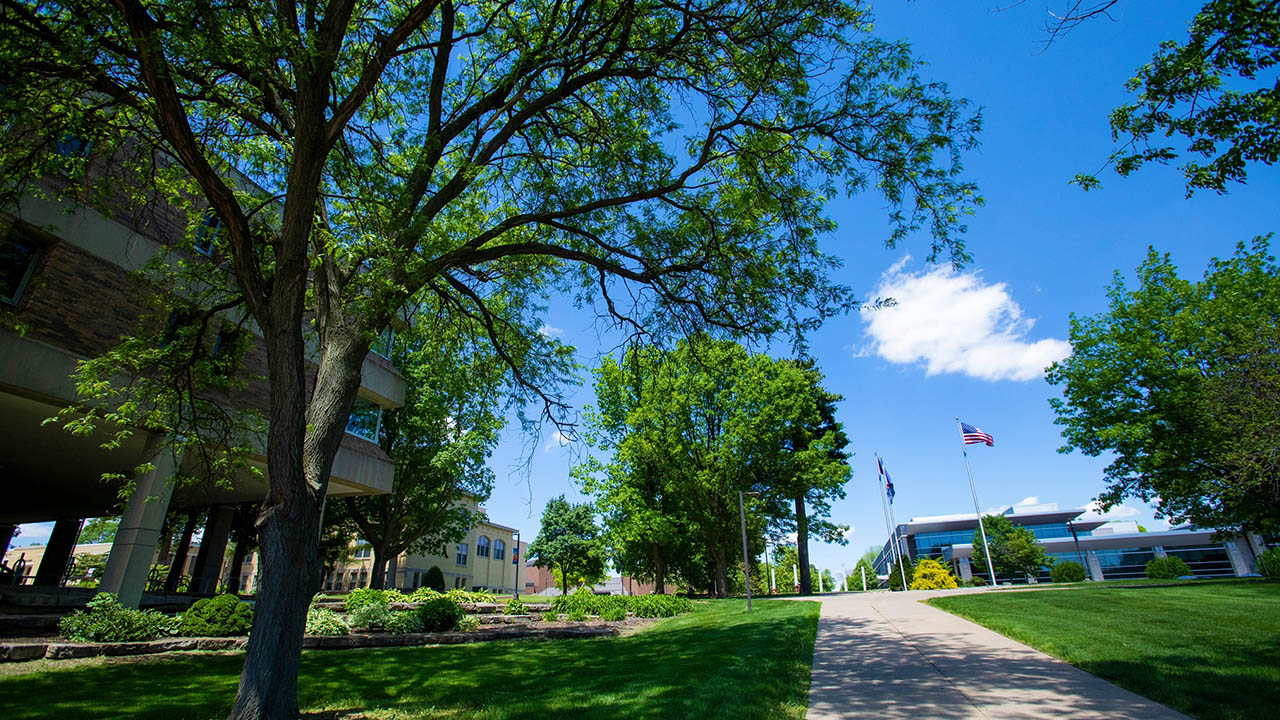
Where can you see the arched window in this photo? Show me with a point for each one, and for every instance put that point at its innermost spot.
(499, 550)
(482, 546)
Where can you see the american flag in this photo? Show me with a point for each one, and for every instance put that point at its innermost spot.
(973, 435)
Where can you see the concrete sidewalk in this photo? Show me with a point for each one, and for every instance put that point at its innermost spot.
(886, 655)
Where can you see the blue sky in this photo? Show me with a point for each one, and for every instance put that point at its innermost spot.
(973, 343)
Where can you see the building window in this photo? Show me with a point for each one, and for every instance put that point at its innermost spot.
(462, 553)
(365, 420)
(417, 579)
(499, 550)
(482, 547)
(206, 231)
(382, 345)
(363, 553)
(458, 582)
(17, 261)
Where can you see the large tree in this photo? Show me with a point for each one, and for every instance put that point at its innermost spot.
(1179, 381)
(569, 542)
(800, 455)
(356, 154)
(439, 440)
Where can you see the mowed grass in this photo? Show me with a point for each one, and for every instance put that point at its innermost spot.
(717, 662)
(1210, 649)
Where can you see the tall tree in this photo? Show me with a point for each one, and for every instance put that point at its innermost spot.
(1178, 381)
(569, 541)
(800, 454)
(439, 440)
(99, 530)
(354, 154)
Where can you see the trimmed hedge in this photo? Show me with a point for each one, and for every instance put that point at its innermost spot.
(439, 614)
(221, 616)
(1067, 571)
(1167, 568)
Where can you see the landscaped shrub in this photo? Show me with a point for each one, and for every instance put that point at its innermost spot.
(515, 607)
(357, 599)
(613, 614)
(434, 580)
(576, 615)
(423, 593)
(370, 616)
(220, 616)
(1269, 562)
(1167, 568)
(463, 596)
(321, 621)
(404, 621)
(897, 573)
(106, 620)
(551, 616)
(469, 622)
(438, 614)
(931, 575)
(1066, 571)
(393, 595)
(580, 602)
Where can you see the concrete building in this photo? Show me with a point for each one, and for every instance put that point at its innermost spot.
(1108, 551)
(67, 281)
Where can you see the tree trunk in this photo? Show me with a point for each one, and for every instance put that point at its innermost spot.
(237, 562)
(301, 444)
(180, 555)
(802, 547)
(659, 570)
(722, 574)
(378, 573)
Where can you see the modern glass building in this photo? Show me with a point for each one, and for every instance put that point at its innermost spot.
(1108, 550)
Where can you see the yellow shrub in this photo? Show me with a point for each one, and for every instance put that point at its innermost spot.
(932, 575)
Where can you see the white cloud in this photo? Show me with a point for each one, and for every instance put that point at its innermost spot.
(1115, 513)
(848, 534)
(954, 322)
(557, 440)
(547, 331)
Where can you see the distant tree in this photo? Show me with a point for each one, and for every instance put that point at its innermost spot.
(1178, 382)
(856, 576)
(1013, 548)
(99, 530)
(87, 569)
(569, 542)
(1141, 529)
(932, 575)
(870, 554)
(1215, 89)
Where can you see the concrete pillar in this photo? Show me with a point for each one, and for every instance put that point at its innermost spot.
(1240, 562)
(1256, 544)
(1094, 567)
(139, 532)
(213, 545)
(57, 553)
(966, 569)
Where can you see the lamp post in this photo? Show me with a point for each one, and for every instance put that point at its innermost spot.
(746, 562)
(515, 560)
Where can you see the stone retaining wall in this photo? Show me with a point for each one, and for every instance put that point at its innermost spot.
(19, 651)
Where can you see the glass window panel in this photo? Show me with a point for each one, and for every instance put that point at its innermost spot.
(365, 419)
(17, 258)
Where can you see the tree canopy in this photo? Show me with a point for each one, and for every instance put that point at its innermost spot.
(1178, 381)
(569, 542)
(1014, 551)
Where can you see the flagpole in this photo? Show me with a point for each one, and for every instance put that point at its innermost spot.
(894, 550)
(973, 489)
(897, 539)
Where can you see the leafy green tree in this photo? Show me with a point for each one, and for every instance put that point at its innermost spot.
(902, 568)
(1178, 382)
(99, 530)
(569, 542)
(855, 577)
(357, 155)
(439, 440)
(1013, 548)
(1215, 90)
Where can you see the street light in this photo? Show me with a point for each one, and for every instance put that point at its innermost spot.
(746, 563)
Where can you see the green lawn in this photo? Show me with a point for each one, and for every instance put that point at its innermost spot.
(1210, 649)
(717, 662)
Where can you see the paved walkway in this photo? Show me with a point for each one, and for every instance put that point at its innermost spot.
(885, 655)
